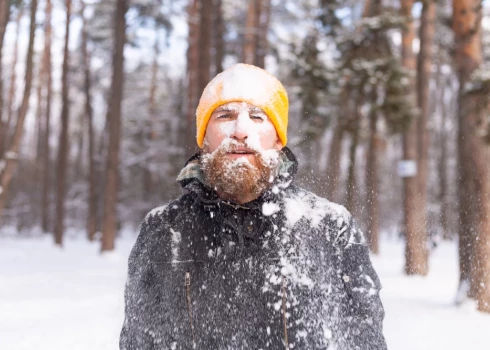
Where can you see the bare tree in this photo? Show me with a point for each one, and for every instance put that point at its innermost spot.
(114, 120)
(10, 157)
(62, 165)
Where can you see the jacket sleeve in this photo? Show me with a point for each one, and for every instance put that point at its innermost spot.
(363, 311)
(138, 295)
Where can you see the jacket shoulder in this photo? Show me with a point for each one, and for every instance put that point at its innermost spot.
(300, 203)
(156, 230)
(323, 214)
(166, 212)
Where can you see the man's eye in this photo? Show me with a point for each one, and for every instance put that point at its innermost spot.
(224, 116)
(256, 117)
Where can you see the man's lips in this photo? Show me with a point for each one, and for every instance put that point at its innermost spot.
(242, 151)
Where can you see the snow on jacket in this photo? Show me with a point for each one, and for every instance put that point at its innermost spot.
(289, 270)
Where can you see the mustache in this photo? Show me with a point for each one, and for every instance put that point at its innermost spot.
(233, 146)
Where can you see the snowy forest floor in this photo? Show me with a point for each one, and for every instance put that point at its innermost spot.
(72, 298)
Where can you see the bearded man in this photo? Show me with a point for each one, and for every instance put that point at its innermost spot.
(245, 259)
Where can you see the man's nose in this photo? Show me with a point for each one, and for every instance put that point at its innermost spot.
(240, 132)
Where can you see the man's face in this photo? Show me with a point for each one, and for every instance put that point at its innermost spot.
(242, 122)
(241, 151)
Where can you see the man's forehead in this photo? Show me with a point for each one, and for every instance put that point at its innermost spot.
(238, 107)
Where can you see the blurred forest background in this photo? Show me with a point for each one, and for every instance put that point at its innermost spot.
(389, 111)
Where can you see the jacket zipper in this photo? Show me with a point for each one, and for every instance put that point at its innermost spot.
(187, 284)
(284, 309)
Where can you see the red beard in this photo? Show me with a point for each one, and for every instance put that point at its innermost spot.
(237, 178)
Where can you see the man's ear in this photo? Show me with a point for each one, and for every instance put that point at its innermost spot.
(278, 144)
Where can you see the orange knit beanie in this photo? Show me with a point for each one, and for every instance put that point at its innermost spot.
(245, 83)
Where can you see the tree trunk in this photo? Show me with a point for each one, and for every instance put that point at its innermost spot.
(62, 165)
(442, 84)
(92, 197)
(46, 168)
(442, 168)
(114, 118)
(414, 215)
(263, 21)
(481, 269)
(41, 84)
(424, 65)
(205, 29)
(80, 141)
(250, 36)
(148, 178)
(465, 64)
(11, 156)
(333, 166)
(367, 9)
(4, 18)
(474, 184)
(5, 128)
(372, 182)
(350, 201)
(219, 33)
(192, 73)
(100, 160)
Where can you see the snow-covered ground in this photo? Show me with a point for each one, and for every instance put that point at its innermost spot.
(72, 298)
(420, 312)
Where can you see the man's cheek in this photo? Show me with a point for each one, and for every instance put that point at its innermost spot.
(226, 129)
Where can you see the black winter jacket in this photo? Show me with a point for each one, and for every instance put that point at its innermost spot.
(289, 270)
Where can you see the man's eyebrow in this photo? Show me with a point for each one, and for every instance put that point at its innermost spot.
(255, 110)
(223, 109)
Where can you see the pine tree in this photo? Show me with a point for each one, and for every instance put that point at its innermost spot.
(87, 86)
(9, 160)
(474, 175)
(114, 119)
(62, 165)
